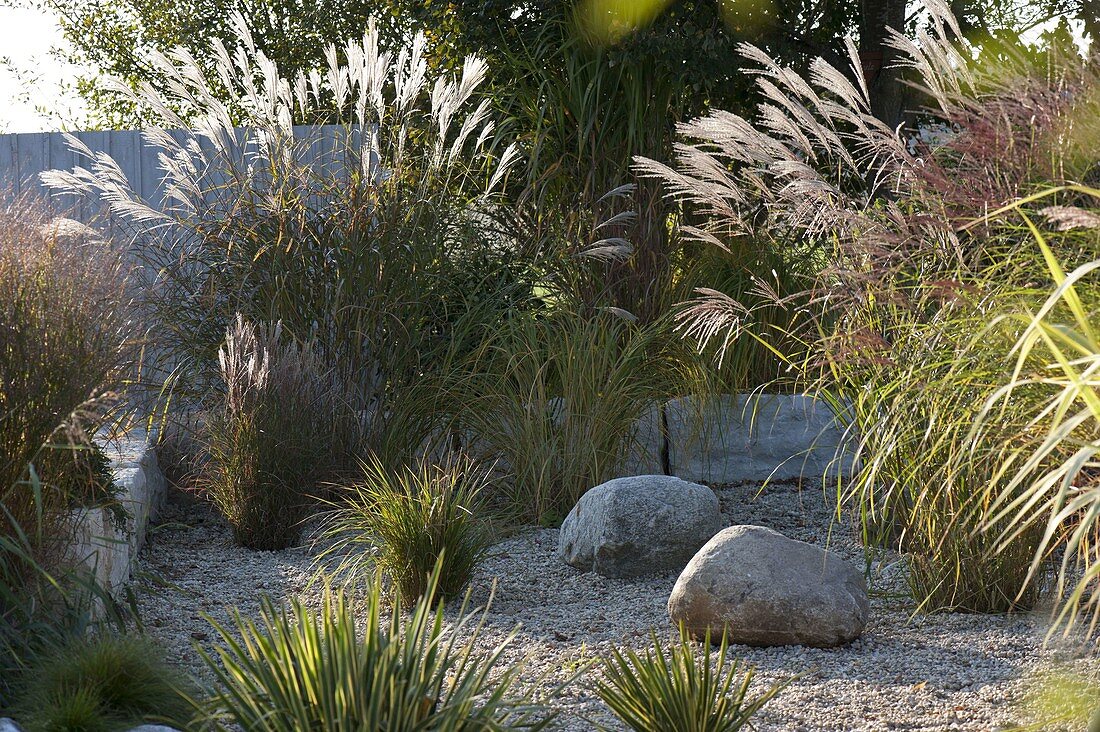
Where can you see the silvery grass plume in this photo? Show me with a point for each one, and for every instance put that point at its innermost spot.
(339, 230)
(245, 364)
(260, 361)
(815, 169)
(233, 135)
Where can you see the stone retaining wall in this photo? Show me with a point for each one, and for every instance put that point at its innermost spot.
(745, 437)
(99, 543)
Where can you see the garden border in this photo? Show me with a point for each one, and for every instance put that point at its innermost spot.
(104, 547)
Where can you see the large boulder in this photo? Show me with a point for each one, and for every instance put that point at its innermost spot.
(640, 525)
(767, 590)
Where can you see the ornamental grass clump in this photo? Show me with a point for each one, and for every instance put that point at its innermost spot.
(555, 401)
(45, 599)
(274, 439)
(357, 231)
(104, 683)
(681, 688)
(349, 666)
(67, 342)
(1055, 385)
(67, 337)
(897, 327)
(412, 521)
(922, 479)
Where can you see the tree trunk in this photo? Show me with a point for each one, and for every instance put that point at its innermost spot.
(877, 17)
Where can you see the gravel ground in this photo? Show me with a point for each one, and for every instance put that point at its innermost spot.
(941, 672)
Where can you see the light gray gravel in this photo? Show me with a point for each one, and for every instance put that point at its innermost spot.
(941, 672)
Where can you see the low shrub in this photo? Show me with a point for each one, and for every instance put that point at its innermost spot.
(45, 599)
(108, 682)
(347, 667)
(274, 439)
(411, 520)
(674, 690)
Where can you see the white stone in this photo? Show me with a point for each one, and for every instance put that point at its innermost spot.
(107, 549)
(629, 527)
(764, 589)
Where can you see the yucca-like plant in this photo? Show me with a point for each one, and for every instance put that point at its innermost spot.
(681, 688)
(353, 234)
(276, 436)
(411, 521)
(348, 666)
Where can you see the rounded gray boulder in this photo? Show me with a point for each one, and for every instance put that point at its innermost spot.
(644, 524)
(764, 589)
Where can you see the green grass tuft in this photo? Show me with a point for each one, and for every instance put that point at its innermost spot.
(105, 682)
(412, 519)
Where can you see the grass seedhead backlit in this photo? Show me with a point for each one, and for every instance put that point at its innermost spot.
(275, 437)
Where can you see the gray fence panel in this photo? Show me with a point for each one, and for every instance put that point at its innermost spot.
(24, 156)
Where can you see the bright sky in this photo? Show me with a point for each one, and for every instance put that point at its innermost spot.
(26, 37)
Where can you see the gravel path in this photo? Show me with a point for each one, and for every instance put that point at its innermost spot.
(941, 672)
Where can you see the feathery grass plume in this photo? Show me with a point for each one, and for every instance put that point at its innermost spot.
(352, 233)
(674, 690)
(910, 270)
(275, 438)
(107, 682)
(412, 520)
(347, 666)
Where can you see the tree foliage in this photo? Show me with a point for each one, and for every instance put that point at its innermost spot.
(690, 41)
